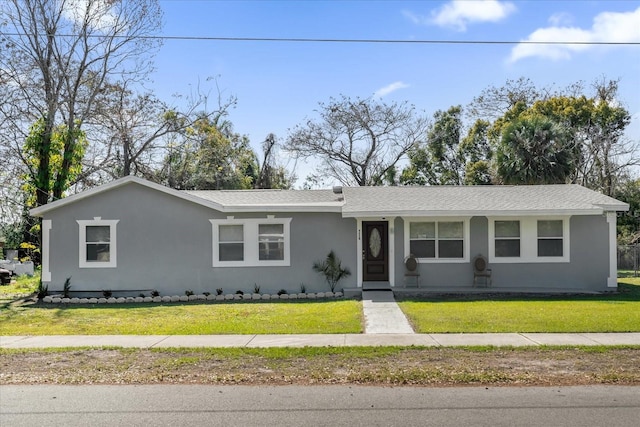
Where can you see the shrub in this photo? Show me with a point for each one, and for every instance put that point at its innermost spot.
(106, 293)
(206, 294)
(256, 289)
(303, 288)
(219, 291)
(282, 292)
(155, 293)
(188, 292)
(42, 291)
(332, 270)
(239, 292)
(141, 295)
(66, 287)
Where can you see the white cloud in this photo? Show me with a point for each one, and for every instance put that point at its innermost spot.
(99, 13)
(458, 13)
(617, 27)
(384, 91)
(560, 18)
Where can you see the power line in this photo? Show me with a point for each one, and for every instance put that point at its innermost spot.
(355, 41)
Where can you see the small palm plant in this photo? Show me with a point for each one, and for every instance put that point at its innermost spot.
(332, 269)
(66, 287)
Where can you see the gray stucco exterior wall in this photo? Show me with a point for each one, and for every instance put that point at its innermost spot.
(587, 270)
(165, 243)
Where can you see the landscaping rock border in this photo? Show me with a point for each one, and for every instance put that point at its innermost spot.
(57, 299)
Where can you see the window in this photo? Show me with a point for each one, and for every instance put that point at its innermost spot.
(251, 242)
(529, 239)
(450, 240)
(97, 243)
(507, 241)
(423, 239)
(231, 242)
(550, 241)
(437, 240)
(271, 241)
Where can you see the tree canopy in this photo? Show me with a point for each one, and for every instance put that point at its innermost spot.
(358, 141)
(55, 59)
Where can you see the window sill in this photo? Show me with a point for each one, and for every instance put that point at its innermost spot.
(442, 260)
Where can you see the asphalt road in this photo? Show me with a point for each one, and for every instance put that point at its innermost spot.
(184, 405)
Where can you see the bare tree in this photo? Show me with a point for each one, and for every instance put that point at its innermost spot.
(272, 174)
(135, 130)
(494, 102)
(358, 141)
(56, 59)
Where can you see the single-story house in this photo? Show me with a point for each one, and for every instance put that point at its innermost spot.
(135, 235)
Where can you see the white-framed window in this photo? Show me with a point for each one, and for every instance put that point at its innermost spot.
(529, 239)
(437, 239)
(507, 239)
(251, 242)
(97, 243)
(550, 238)
(271, 242)
(231, 242)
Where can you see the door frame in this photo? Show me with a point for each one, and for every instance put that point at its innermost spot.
(390, 251)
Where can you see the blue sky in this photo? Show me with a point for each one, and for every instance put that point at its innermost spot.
(279, 84)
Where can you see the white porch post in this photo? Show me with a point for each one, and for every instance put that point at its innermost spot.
(391, 252)
(612, 281)
(46, 229)
(359, 252)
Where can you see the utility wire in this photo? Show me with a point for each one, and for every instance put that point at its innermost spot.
(361, 41)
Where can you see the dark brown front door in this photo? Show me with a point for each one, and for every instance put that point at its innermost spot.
(375, 263)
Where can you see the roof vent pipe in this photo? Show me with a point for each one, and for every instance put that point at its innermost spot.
(337, 189)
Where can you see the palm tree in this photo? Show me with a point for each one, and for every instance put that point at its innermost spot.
(535, 150)
(332, 269)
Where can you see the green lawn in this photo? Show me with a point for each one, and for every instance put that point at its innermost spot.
(24, 285)
(601, 313)
(330, 317)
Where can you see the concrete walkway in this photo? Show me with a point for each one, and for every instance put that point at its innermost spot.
(319, 340)
(382, 314)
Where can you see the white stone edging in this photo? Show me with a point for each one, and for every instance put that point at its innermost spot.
(183, 298)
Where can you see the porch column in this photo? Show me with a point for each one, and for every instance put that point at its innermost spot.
(46, 230)
(359, 252)
(391, 252)
(612, 281)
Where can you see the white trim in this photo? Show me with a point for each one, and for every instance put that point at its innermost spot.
(529, 240)
(251, 245)
(329, 207)
(274, 207)
(391, 244)
(82, 243)
(359, 253)
(40, 210)
(466, 238)
(346, 213)
(390, 247)
(46, 239)
(612, 280)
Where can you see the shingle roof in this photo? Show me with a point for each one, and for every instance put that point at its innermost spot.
(386, 201)
(474, 200)
(311, 200)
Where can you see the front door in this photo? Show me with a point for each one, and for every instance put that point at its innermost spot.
(375, 262)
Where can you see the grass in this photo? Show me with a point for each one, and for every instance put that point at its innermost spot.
(24, 285)
(18, 317)
(618, 312)
(316, 317)
(599, 313)
(346, 365)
